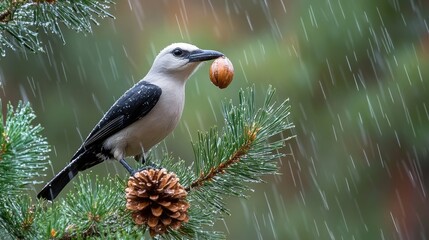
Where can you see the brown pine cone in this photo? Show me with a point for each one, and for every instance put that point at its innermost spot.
(157, 199)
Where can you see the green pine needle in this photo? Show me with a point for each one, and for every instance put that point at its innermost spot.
(241, 153)
(21, 22)
(23, 150)
(17, 217)
(23, 157)
(94, 207)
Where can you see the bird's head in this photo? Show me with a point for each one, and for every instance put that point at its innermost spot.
(180, 60)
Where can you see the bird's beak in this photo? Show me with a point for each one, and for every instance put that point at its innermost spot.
(204, 55)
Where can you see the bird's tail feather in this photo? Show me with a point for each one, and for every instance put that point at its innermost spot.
(54, 187)
(85, 160)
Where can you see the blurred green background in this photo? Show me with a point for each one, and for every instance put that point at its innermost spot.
(356, 73)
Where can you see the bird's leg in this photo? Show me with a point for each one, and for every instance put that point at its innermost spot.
(127, 167)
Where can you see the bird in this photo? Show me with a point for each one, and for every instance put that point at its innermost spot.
(141, 118)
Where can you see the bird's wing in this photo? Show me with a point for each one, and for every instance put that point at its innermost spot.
(133, 105)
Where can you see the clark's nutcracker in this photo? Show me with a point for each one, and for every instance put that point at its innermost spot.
(140, 118)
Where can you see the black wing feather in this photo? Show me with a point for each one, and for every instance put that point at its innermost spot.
(133, 105)
(103, 131)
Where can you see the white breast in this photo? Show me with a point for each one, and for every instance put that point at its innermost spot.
(154, 127)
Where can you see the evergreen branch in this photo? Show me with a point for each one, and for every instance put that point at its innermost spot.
(223, 166)
(94, 207)
(22, 158)
(21, 20)
(242, 153)
(17, 217)
(22, 149)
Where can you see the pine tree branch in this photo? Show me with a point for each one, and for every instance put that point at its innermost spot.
(20, 144)
(22, 158)
(221, 168)
(22, 20)
(17, 217)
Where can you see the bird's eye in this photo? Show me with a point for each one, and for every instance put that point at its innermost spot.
(178, 52)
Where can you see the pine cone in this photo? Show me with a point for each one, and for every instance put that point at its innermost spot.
(157, 199)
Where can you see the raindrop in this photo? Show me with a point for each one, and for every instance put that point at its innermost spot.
(312, 17)
(212, 108)
(24, 95)
(305, 30)
(248, 21)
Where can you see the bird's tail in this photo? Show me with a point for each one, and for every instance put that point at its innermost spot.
(54, 187)
(79, 163)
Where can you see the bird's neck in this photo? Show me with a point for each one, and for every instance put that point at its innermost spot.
(166, 81)
(156, 73)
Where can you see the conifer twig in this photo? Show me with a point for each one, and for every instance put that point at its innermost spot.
(21, 21)
(221, 168)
